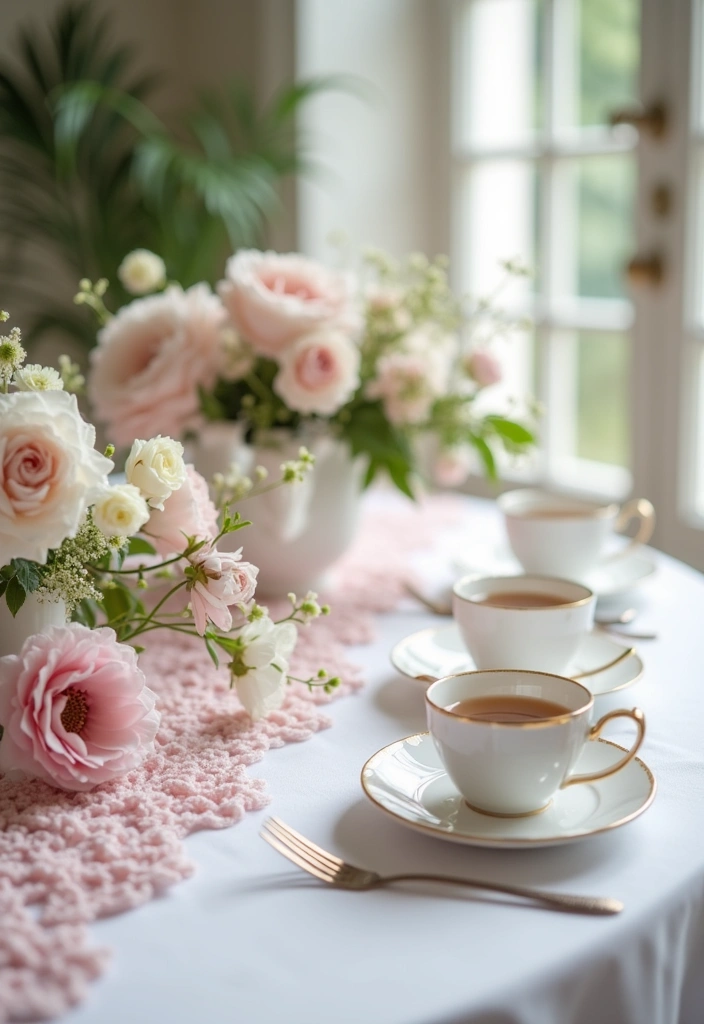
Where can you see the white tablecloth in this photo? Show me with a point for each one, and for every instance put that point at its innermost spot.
(251, 939)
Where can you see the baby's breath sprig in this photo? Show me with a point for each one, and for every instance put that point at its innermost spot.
(71, 375)
(91, 294)
(306, 609)
(12, 355)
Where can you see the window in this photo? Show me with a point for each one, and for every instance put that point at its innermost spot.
(539, 175)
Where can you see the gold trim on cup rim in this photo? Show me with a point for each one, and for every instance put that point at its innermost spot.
(539, 724)
(543, 498)
(477, 578)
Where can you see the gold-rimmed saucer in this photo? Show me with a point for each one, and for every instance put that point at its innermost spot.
(439, 651)
(407, 780)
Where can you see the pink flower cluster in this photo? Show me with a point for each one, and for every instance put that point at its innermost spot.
(302, 315)
(153, 356)
(216, 581)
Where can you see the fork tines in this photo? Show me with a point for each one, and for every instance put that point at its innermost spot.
(301, 851)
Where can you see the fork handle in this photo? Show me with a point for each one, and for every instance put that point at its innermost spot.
(557, 900)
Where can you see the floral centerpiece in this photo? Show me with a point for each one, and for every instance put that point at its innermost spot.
(74, 705)
(286, 342)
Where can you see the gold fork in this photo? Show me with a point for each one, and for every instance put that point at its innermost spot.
(333, 871)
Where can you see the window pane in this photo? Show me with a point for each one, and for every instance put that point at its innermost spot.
(590, 396)
(500, 61)
(598, 56)
(498, 221)
(593, 225)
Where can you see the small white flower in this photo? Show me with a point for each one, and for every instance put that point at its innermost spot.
(120, 511)
(12, 355)
(142, 272)
(35, 377)
(261, 671)
(157, 468)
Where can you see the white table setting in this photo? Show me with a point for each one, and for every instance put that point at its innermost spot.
(252, 937)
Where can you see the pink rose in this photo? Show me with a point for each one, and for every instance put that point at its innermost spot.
(274, 299)
(49, 472)
(75, 708)
(452, 466)
(484, 368)
(151, 358)
(319, 373)
(187, 512)
(216, 582)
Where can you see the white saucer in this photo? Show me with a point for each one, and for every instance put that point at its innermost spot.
(610, 577)
(407, 780)
(439, 651)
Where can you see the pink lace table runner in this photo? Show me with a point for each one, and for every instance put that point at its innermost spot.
(68, 859)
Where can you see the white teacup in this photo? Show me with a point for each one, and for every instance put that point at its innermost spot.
(514, 768)
(563, 536)
(503, 626)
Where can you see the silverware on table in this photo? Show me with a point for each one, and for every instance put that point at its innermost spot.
(336, 872)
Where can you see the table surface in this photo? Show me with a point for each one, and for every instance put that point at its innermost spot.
(251, 939)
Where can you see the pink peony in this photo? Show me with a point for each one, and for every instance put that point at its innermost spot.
(484, 368)
(319, 373)
(273, 299)
(151, 358)
(216, 582)
(187, 512)
(75, 708)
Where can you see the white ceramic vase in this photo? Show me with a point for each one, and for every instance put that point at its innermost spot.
(35, 616)
(299, 530)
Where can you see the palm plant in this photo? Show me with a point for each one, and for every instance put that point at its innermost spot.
(88, 172)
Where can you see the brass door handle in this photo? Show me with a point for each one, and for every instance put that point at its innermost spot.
(646, 270)
(652, 120)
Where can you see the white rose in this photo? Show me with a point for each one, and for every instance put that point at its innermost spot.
(120, 511)
(49, 472)
(141, 272)
(319, 373)
(157, 468)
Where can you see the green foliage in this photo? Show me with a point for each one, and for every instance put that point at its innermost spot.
(368, 432)
(88, 172)
(19, 578)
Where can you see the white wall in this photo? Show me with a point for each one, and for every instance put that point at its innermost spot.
(385, 183)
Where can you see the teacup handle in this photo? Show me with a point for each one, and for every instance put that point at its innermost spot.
(639, 718)
(641, 509)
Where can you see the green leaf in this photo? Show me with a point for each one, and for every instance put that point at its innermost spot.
(140, 546)
(511, 431)
(15, 596)
(486, 455)
(210, 406)
(85, 613)
(212, 652)
(138, 649)
(28, 573)
(118, 602)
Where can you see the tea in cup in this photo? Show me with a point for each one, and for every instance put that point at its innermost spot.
(567, 537)
(510, 739)
(533, 622)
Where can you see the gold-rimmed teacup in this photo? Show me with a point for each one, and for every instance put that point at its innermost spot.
(509, 739)
(529, 621)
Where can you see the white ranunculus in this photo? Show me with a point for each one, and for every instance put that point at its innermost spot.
(35, 377)
(157, 468)
(120, 511)
(268, 647)
(142, 272)
(49, 472)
